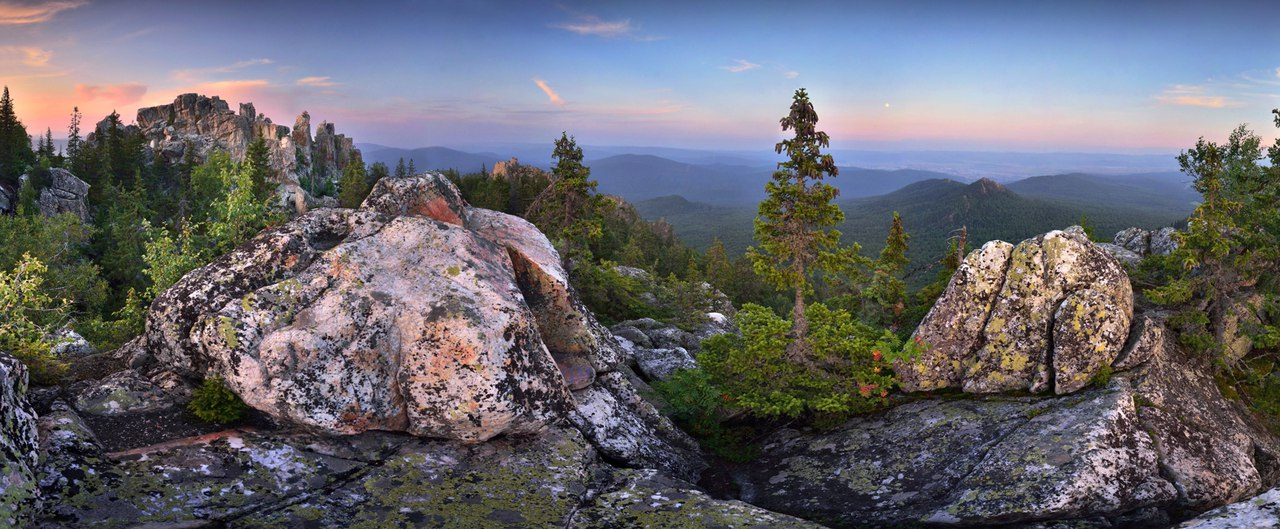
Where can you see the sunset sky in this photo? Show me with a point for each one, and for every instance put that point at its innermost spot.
(1148, 77)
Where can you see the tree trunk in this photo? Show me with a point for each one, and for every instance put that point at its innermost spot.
(798, 349)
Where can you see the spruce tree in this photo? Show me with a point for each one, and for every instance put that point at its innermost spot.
(15, 145)
(353, 188)
(568, 210)
(412, 170)
(887, 294)
(401, 170)
(794, 222)
(258, 162)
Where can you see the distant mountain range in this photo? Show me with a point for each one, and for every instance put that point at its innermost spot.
(933, 210)
(429, 158)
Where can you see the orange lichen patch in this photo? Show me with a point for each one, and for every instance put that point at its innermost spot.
(290, 261)
(338, 269)
(437, 208)
(178, 443)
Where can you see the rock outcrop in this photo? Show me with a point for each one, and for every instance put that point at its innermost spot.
(350, 320)
(19, 455)
(1045, 315)
(1155, 444)
(202, 125)
(65, 194)
(1147, 242)
(1259, 512)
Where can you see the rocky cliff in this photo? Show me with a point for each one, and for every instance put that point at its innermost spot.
(204, 124)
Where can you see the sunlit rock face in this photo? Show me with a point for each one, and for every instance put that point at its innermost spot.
(1045, 315)
(412, 313)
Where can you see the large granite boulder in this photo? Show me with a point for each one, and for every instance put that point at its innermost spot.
(19, 497)
(413, 313)
(1144, 242)
(1156, 443)
(1046, 315)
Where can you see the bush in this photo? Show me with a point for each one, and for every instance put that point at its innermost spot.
(214, 402)
(699, 406)
(849, 371)
(611, 296)
(28, 316)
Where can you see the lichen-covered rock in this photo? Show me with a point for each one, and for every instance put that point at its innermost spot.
(69, 343)
(1163, 241)
(628, 430)
(121, 393)
(633, 335)
(1240, 318)
(1087, 336)
(952, 329)
(65, 194)
(19, 497)
(641, 499)
(1136, 240)
(1122, 254)
(565, 324)
(993, 329)
(414, 313)
(506, 483)
(1259, 512)
(216, 477)
(659, 364)
(1158, 443)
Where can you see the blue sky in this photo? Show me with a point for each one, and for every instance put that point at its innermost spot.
(1008, 76)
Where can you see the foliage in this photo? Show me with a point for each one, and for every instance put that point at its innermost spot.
(885, 296)
(257, 163)
(794, 222)
(354, 186)
(699, 406)
(849, 372)
(60, 243)
(16, 155)
(28, 315)
(569, 211)
(107, 333)
(214, 402)
(611, 296)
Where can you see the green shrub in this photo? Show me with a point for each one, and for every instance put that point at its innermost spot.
(849, 371)
(699, 406)
(28, 316)
(611, 296)
(215, 402)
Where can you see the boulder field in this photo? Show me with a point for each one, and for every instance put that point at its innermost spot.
(417, 362)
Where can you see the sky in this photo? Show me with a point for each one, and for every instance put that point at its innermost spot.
(1021, 76)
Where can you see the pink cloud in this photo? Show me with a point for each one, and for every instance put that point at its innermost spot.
(120, 94)
(324, 82)
(15, 13)
(554, 98)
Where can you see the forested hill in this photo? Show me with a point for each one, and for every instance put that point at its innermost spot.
(932, 210)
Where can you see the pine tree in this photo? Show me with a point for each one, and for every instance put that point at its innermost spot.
(401, 170)
(719, 270)
(258, 162)
(377, 171)
(794, 222)
(569, 210)
(15, 145)
(887, 294)
(353, 188)
(412, 170)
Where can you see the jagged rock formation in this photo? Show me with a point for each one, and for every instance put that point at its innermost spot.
(19, 457)
(205, 124)
(1155, 444)
(1046, 315)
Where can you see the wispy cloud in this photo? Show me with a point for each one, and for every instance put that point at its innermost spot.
(552, 96)
(323, 82)
(597, 27)
(739, 66)
(791, 74)
(28, 55)
(1194, 96)
(15, 13)
(120, 94)
(194, 74)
